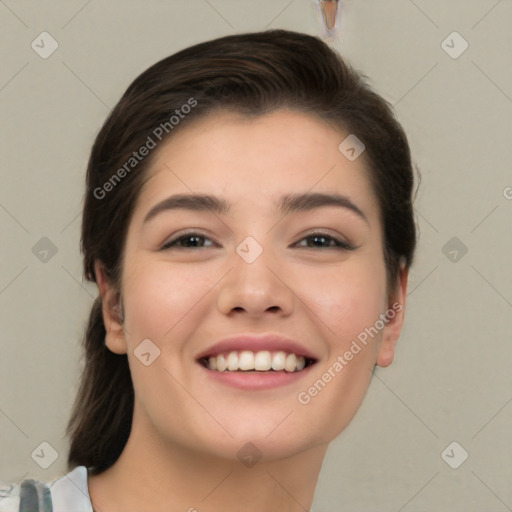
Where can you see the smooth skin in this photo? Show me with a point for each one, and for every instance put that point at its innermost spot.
(187, 428)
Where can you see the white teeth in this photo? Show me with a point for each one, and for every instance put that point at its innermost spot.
(221, 363)
(246, 360)
(212, 363)
(278, 361)
(262, 361)
(232, 361)
(291, 363)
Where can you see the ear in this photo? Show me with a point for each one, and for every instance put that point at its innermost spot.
(392, 329)
(112, 315)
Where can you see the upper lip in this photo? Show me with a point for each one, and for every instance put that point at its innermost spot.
(256, 343)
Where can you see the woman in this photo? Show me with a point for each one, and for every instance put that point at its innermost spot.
(248, 219)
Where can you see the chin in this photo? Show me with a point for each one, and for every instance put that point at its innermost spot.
(261, 441)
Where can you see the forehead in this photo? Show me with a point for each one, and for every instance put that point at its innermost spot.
(256, 159)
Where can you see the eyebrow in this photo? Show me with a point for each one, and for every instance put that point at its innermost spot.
(287, 203)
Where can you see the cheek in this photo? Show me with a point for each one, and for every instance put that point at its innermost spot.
(348, 301)
(157, 299)
(163, 303)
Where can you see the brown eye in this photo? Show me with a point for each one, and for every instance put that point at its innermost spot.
(187, 241)
(324, 241)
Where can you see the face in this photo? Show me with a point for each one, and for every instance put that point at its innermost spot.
(303, 277)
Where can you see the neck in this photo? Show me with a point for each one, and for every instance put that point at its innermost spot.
(151, 476)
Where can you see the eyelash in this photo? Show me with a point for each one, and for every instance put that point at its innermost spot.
(339, 244)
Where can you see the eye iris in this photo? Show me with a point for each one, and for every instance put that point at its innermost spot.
(189, 241)
(318, 237)
(193, 237)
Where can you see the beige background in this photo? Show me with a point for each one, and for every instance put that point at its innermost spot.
(451, 380)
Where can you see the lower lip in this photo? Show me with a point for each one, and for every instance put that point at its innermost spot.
(256, 380)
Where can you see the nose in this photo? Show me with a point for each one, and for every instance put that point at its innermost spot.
(256, 288)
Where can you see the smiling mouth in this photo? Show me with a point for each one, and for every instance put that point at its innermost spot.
(256, 362)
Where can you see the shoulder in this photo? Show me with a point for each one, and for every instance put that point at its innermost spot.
(68, 492)
(9, 497)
